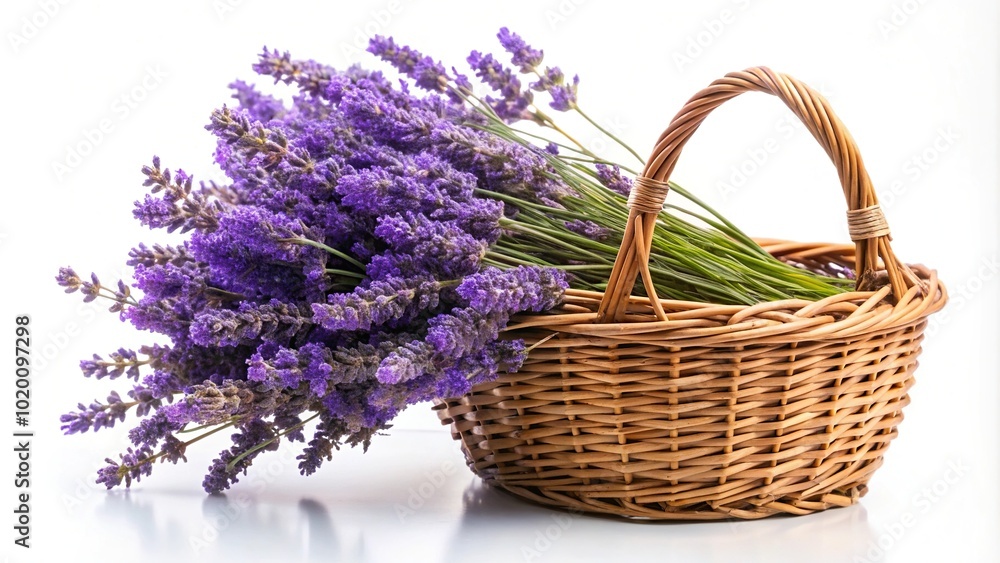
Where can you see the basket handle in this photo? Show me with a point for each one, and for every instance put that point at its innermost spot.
(865, 221)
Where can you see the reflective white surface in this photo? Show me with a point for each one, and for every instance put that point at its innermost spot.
(411, 498)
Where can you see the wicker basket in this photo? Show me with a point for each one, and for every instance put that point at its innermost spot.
(683, 410)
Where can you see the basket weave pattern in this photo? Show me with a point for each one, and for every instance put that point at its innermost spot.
(665, 409)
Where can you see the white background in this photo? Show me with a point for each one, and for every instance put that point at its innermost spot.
(916, 82)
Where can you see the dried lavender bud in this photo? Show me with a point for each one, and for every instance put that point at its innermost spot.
(209, 403)
(152, 430)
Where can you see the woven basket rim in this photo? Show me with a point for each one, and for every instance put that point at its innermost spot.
(844, 315)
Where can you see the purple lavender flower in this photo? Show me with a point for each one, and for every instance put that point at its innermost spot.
(612, 178)
(564, 95)
(154, 429)
(133, 466)
(376, 304)
(180, 205)
(379, 115)
(123, 361)
(288, 368)
(174, 449)
(462, 82)
(405, 363)
(144, 400)
(310, 76)
(512, 291)
(155, 213)
(159, 254)
(513, 103)
(95, 416)
(502, 166)
(426, 72)
(68, 278)
(225, 469)
(209, 403)
(337, 271)
(162, 384)
(522, 55)
(443, 247)
(588, 229)
(260, 107)
(495, 75)
(110, 475)
(249, 253)
(250, 322)
(331, 433)
(554, 82)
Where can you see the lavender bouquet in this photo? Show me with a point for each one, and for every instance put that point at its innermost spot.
(367, 252)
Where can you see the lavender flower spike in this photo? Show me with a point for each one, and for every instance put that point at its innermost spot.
(512, 291)
(564, 95)
(522, 55)
(425, 71)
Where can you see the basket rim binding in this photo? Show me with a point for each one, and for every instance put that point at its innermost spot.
(669, 409)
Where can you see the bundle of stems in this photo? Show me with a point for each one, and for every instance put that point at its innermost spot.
(696, 255)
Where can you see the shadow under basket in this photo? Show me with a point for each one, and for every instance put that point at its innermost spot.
(663, 409)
